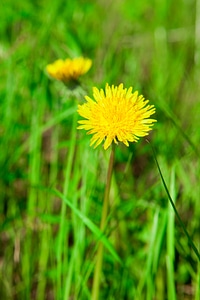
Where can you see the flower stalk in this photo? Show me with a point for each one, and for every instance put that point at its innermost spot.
(98, 267)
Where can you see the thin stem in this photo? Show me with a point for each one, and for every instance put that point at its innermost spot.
(98, 267)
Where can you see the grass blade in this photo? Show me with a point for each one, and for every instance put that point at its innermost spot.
(91, 226)
(174, 207)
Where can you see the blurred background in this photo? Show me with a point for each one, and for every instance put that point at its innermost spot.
(47, 251)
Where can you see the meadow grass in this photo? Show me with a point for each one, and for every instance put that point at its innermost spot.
(52, 182)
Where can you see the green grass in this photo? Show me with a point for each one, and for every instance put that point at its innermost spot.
(52, 183)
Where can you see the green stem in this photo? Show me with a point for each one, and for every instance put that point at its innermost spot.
(98, 267)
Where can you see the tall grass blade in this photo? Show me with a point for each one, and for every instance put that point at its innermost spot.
(174, 207)
(170, 242)
(100, 236)
(62, 248)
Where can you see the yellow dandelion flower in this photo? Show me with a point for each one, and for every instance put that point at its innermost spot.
(116, 115)
(69, 69)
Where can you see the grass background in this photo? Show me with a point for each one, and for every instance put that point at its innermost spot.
(48, 239)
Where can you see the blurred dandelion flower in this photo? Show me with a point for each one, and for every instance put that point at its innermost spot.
(116, 115)
(69, 69)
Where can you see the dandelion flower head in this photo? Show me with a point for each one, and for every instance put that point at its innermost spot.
(69, 69)
(116, 114)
